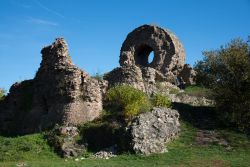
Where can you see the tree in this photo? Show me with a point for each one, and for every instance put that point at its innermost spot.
(2, 94)
(227, 72)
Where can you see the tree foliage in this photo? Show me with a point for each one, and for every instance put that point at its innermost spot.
(227, 72)
(2, 94)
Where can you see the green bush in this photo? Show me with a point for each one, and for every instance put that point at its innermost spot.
(128, 100)
(160, 100)
(226, 72)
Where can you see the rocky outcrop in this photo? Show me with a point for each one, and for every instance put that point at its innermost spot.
(60, 93)
(151, 131)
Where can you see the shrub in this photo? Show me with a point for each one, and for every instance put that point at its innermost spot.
(227, 72)
(160, 100)
(174, 91)
(128, 100)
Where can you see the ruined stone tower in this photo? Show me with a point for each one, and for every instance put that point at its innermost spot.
(60, 93)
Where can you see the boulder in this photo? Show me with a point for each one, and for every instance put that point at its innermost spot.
(151, 131)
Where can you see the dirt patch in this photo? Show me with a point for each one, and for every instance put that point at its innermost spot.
(210, 137)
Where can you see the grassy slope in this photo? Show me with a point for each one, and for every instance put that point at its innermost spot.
(197, 91)
(34, 151)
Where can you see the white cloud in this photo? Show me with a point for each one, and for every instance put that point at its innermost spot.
(41, 22)
(48, 9)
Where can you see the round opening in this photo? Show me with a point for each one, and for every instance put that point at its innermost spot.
(150, 57)
(144, 55)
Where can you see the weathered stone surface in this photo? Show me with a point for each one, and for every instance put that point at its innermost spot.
(70, 94)
(64, 139)
(143, 78)
(169, 54)
(191, 100)
(167, 64)
(188, 74)
(70, 147)
(150, 131)
(130, 75)
(59, 93)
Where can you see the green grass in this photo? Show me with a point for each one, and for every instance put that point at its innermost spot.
(29, 147)
(197, 91)
(34, 151)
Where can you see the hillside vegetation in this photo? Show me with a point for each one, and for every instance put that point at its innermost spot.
(202, 142)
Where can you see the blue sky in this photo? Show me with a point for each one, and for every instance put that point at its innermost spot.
(95, 29)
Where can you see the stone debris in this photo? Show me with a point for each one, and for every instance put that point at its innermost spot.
(106, 153)
(103, 155)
